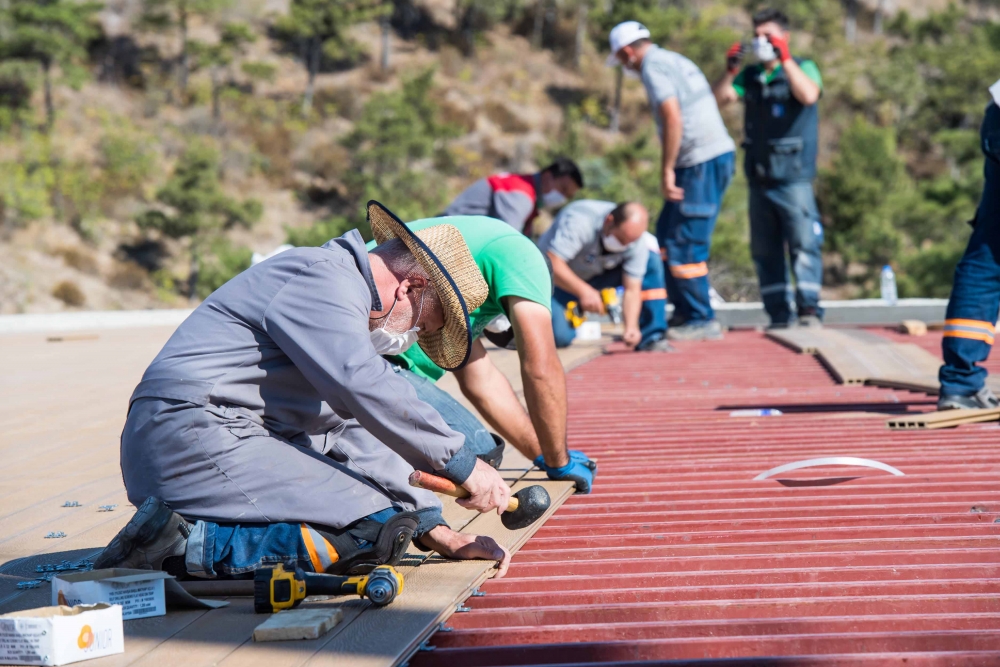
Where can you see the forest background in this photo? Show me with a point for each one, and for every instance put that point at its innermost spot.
(148, 147)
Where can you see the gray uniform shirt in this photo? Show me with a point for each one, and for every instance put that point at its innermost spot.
(575, 238)
(666, 74)
(288, 341)
(512, 206)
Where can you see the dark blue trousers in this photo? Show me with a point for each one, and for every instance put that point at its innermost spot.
(652, 317)
(975, 294)
(684, 231)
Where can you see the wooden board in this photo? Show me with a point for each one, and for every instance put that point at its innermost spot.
(942, 419)
(305, 623)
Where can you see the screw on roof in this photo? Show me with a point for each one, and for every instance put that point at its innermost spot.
(55, 535)
(106, 508)
(71, 503)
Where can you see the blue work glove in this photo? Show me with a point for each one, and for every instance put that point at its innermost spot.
(580, 470)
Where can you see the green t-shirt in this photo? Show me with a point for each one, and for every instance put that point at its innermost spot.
(511, 264)
(808, 66)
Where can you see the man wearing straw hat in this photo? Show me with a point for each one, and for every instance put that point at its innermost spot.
(270, 429)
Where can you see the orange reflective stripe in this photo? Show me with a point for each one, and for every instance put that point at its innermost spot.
(986, 338)
(655, 293)
(688, 271)
(331, 552)
(971, 323)
(311, 548)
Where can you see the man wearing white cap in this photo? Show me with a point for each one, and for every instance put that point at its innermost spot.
(696, 168)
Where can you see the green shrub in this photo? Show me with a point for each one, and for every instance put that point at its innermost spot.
(69, 293)
(220, 263)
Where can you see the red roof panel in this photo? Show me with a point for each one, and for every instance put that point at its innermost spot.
(679, 554)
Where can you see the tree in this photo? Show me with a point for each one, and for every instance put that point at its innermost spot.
(318, 27)
(195, 206)
(52, 33)
(175, 14)
(233, 37)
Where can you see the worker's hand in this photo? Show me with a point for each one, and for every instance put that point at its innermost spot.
(464, 546)
(591, 301)
(669, 186)
(487, 490)
(631, 337)
(734, 57)
(580, 470)
(780, 45)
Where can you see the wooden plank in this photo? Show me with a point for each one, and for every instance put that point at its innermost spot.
(912, 327)
(432, 592)
(942, 419)
(305, 623)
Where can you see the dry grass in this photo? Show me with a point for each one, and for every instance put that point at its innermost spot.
(130, 276)
(78, 258)
(69, 293)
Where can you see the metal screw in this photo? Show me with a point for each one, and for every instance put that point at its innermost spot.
(461, 608)
(71, 503)
(107, 508)
(476, 593)
(55, 535)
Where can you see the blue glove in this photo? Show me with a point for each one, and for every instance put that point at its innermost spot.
(580, 470)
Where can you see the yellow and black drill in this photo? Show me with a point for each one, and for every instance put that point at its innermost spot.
(276, 588)
(612, 306)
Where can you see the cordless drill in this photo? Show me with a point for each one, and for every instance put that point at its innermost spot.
(276, 588)
(612, 306)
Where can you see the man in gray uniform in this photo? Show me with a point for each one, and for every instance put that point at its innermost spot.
(593, 245)
(698, 158)
(270, 429)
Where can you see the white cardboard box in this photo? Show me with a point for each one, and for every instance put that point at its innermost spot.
(60, 635)
(139, 592)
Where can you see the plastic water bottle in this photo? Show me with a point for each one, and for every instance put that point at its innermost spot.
(888, 285)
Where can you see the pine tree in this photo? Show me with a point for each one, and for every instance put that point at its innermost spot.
(195, 207)
(233, 38)
(318, 27)
(52, 33)
(176, 14)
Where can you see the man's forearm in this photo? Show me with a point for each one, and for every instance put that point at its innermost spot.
(804, 89)
(491, 394)
(673, 129)
(545, 393)
(565, 278)
(632, 306)
(723, 89)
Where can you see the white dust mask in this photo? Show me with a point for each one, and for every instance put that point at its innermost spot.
(763, 49)
(388, 343)
(612, 244)
(553, 199)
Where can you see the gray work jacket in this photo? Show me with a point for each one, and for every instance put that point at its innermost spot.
(288, 340)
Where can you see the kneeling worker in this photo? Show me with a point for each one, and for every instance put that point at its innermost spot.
(269, 429)
(516, 198)
(597, 244)
(520, 290)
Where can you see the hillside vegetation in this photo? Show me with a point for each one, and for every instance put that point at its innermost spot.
(148, 147)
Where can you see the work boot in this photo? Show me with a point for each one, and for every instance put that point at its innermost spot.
(984, 398)
(708, 330)
(658, 345)
(367, 544)
(494, 457)
(777, 326)
(808, 319)
(152, 535)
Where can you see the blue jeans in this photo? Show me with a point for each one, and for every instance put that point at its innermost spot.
(652, 317)
(454, 413)
(684, 231)
(780, 215)
(975, 294)
(232, 550)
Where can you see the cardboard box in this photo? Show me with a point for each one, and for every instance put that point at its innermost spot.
(141, 593)
(60, 635)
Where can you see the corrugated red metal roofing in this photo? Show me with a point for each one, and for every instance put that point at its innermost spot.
(679, 555)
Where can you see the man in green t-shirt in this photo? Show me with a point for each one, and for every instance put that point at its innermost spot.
(520, 289)
(781, 138)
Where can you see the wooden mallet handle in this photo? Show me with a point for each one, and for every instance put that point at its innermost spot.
(423, 480)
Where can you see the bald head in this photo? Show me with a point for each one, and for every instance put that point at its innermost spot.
(627, 222)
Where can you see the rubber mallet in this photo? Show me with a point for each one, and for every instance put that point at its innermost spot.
(525, 507)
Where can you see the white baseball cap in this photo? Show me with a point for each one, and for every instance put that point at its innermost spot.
(624, 34)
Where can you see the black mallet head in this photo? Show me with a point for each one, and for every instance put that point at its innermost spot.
(531, 504)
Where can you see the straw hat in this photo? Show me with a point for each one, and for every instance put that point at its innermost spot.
(460, 285)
